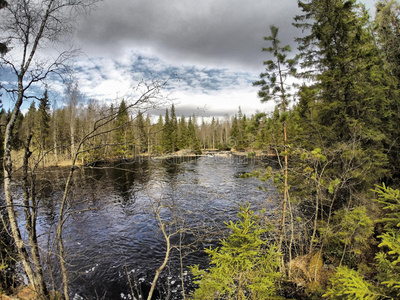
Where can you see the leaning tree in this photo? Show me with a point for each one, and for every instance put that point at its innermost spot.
(32, 32)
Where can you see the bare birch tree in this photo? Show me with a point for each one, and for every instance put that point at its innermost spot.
(149, 96)
(31, 28)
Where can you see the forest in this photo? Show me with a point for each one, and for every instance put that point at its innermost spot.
(334, 133)
(129, 136)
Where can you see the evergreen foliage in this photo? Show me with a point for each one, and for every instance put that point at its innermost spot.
(234, 133)
(194, 143)
(348, 235)
(182, 141)
(43, 121)
(389, 257)
(241, 268)
(142, 139)
(173, 130)
(387, 28)
(122, 132)
(387, 22)
(352, 97)
(272, 82)
(348, 284)
(167, 142)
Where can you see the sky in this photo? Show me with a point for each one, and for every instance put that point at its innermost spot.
(209, 50)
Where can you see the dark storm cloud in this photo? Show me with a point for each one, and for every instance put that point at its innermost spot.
(208, 32)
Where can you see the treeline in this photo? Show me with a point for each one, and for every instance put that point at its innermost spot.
(130, 132)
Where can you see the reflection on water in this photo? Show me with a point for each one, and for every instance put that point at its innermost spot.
(119, 237)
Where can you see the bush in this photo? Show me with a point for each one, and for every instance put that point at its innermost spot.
(242, 268)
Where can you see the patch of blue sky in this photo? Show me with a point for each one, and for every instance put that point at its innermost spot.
(187, 77)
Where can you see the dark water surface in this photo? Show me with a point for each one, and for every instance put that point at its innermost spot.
(119, 241)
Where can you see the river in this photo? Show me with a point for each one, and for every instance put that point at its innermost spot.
(112, 237)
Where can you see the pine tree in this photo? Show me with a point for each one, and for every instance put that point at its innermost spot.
(273, 86)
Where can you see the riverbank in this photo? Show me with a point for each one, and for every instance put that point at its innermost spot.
(51, 161)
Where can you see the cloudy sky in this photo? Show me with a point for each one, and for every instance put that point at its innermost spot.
(210, 49)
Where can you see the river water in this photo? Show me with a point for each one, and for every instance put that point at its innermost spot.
(112, 236)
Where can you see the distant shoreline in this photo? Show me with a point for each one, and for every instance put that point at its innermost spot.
(50, 162)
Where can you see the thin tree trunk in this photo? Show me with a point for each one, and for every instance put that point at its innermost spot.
(166, 257)
(148, 141)
(28, 56)
(55, 144)
(291, 237)
(7, 167)
(315, 224)
(72, 131)
(285, 192)
(30, 209)
(61, 220)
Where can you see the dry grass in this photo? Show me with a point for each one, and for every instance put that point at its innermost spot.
(25, 293)
(18, 156)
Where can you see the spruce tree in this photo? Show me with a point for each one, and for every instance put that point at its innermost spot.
(182, 134)
(166, 141)
(194, 143)
(43, 122)
(234, 134)
(241, 268)
(243, 142)
(351, 102)
(122, 132)
(387, 28)
(174, 130)
(141, 133)
(158, 133)
(30, 117)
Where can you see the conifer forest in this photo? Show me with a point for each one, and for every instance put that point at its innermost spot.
(328, 158)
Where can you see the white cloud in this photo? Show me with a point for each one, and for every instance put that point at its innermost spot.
(214, 90)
